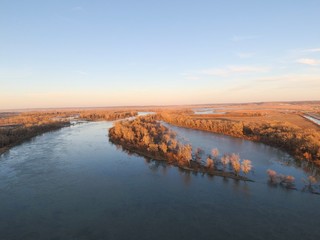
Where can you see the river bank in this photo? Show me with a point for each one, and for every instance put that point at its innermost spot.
(20, 127)
(302, 144)
(11, 137)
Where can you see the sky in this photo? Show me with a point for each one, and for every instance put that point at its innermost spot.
(150, 52)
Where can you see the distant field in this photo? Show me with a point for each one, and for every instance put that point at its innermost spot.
(279, 112)
(291, 112)
(7, 114)
(294, 118)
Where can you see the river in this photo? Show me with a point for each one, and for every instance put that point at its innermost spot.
(313, 119)
(74, 184)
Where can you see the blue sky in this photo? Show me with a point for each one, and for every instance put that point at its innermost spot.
(124, 52)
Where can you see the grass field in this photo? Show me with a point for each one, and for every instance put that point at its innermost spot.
(265, 112)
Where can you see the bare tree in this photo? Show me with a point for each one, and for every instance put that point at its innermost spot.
(246, 166)
(225, 160)
(215, 152)
(210, 163)
(310, 184)
(235, 163)
(287, 181)
(272, 176)
(198, 154)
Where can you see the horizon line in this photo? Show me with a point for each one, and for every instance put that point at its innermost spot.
(146, 106)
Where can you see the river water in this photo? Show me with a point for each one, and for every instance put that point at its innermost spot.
(74, 184)
(312, 119)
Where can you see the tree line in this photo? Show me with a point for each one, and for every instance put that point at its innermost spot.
(303, 144)
(18, 127)
(12, 136)
(96, 115)
(41, 117)
(150, 138)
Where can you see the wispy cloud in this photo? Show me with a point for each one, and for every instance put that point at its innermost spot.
(290, 78)
(240, 87)
(309, 61)
(214, 72)
(247, 69)
(192, 77)
(311, 50)
(229, 70)
(245, 54)
(238, 38)
(278, 82)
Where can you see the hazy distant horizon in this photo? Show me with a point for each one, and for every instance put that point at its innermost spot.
(75, 53)
(153, 106)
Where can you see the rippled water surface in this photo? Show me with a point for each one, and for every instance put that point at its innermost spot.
(74, 184)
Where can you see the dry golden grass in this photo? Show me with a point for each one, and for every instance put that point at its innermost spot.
(265, 112)
(293, 118)
(291, 112)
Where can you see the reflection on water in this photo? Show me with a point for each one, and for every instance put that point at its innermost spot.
(201, 111)
(312, 119)
(74, 184)
(263, 157)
